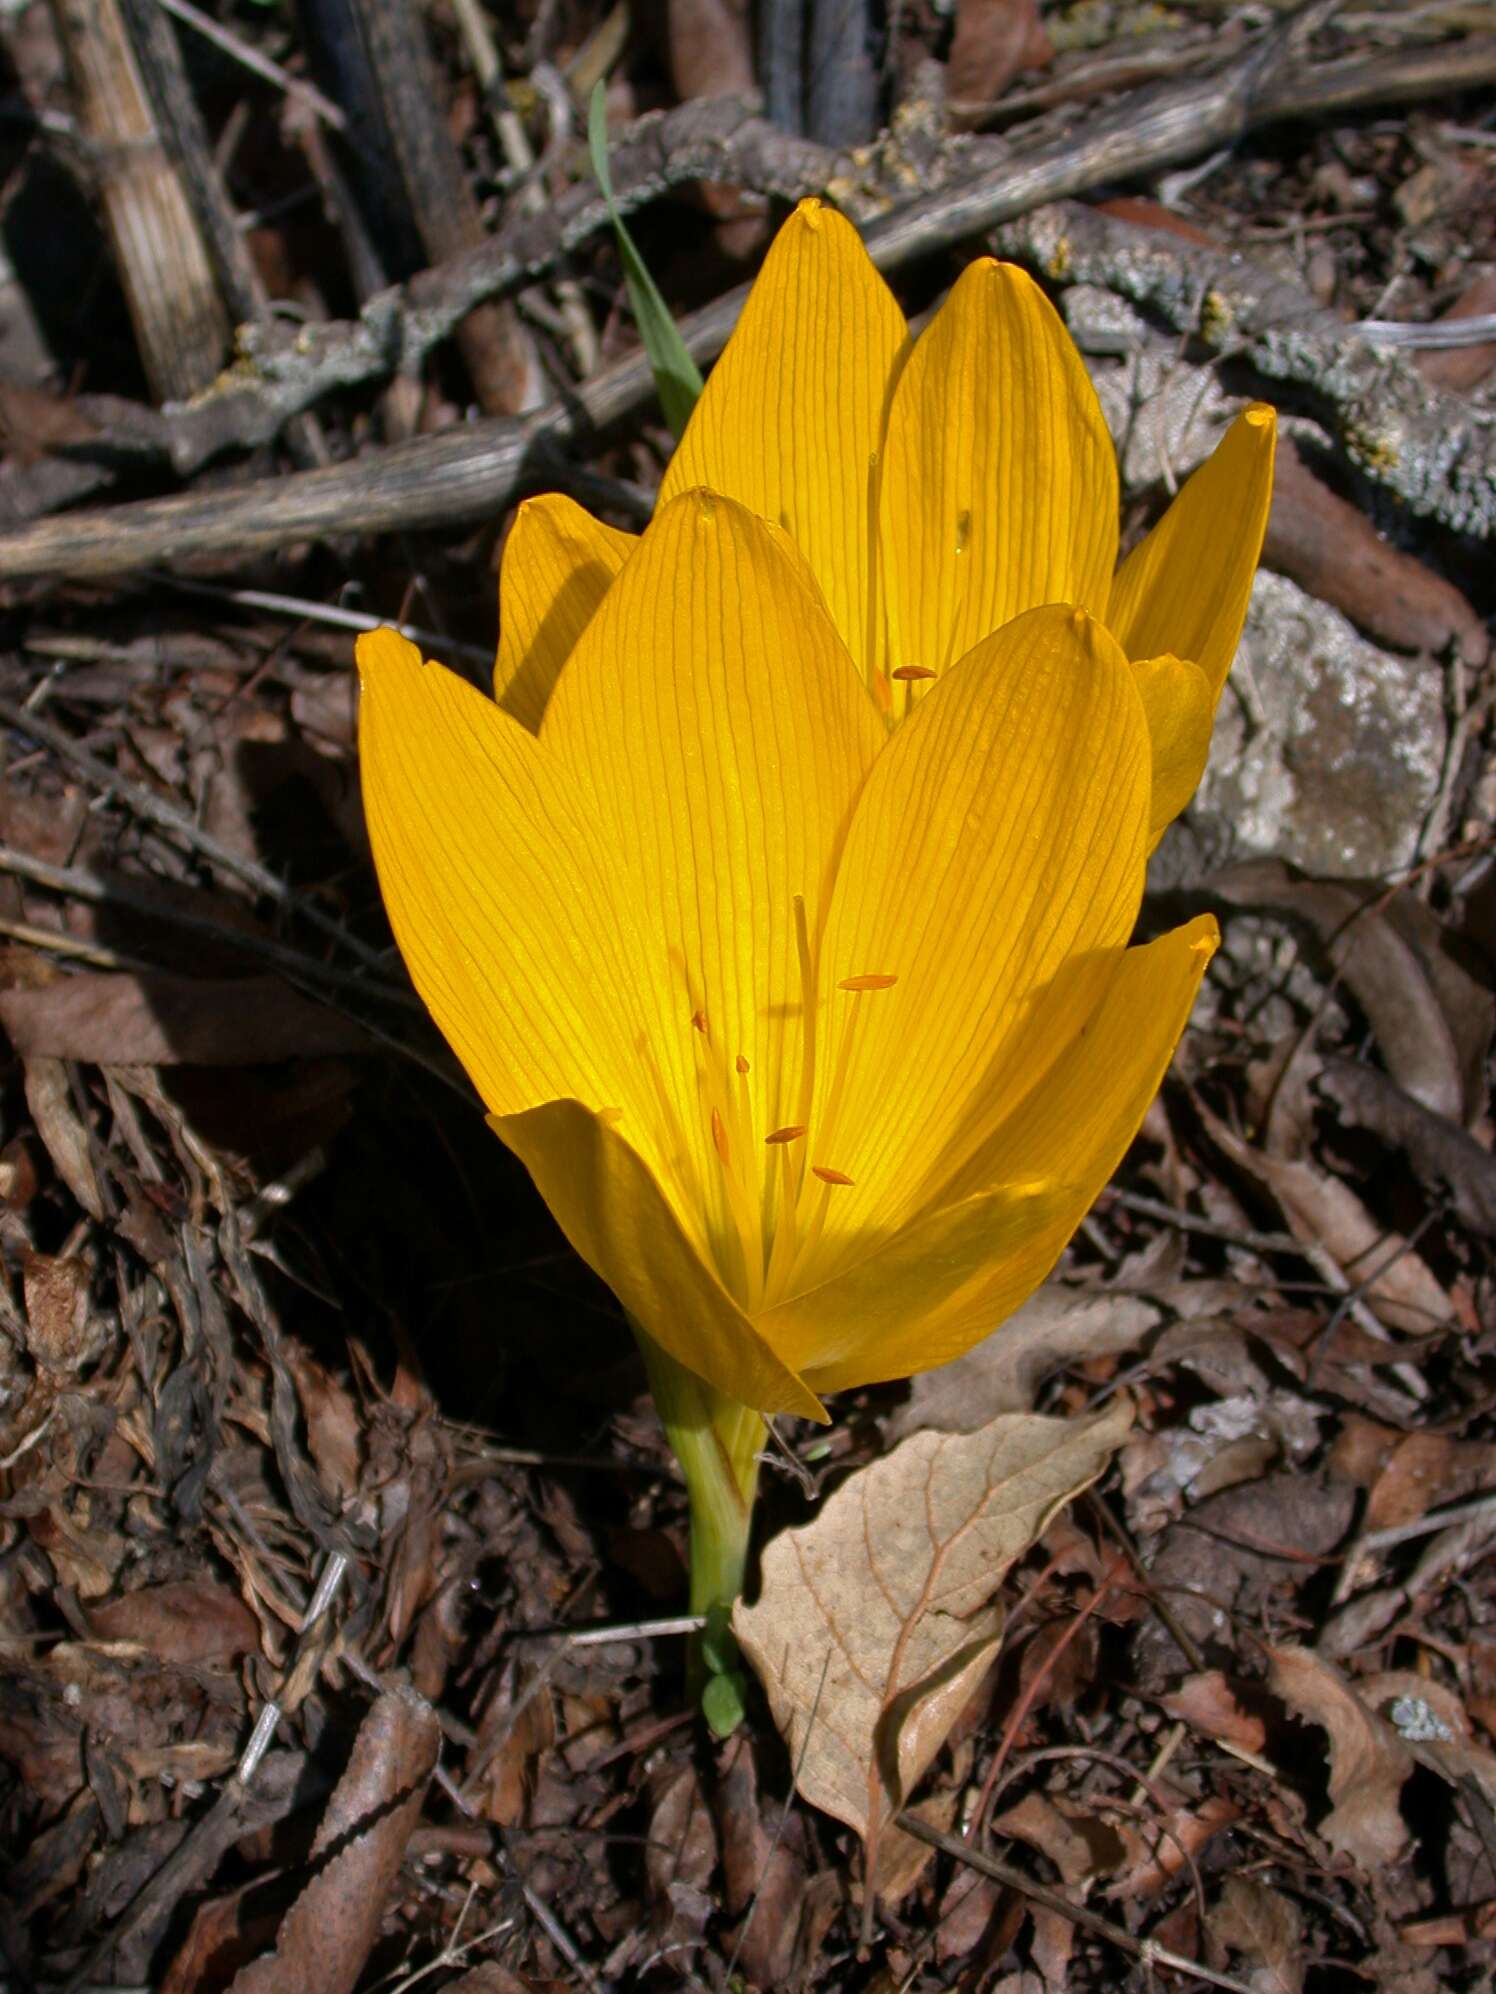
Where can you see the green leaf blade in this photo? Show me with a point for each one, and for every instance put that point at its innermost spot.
(677, 378)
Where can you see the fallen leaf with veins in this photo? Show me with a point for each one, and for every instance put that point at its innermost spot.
(1368, 1761)
(877, 1620)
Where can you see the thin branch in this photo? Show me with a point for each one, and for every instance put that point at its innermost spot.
(1436, 451)
(722, 139)
(1147, 1950)
(138, 897)
(176, 823)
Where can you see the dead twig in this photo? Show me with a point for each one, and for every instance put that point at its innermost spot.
(477, 472)
(1436, 451)
(176, 823)
(1147, 1950)
(138, 898)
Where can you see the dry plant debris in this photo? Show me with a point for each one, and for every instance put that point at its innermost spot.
(337, 1545)
(876, 1622)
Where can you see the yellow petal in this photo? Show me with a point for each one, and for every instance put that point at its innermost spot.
(1003, 829)
(941, 1284)
(498, 915)
(1184, 589)
(999, 488)
(792, 417)
(719, 734)
(1180, 704)
(558, 562)
(613, 1210)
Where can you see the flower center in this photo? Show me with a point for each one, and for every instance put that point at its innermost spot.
(778, 1184)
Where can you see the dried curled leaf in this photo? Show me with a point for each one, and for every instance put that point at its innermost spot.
(330, 1930)
(1368, 1762)
(877, 1620)
(1056, 1326)
(1432, 1020)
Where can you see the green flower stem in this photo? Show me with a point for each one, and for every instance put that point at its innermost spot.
(717, 1443)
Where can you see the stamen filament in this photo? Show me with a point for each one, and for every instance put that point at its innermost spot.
(785, 1249)
(807, 1010)
(727, 1126)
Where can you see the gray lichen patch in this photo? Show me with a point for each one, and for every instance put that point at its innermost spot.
(1328, 751)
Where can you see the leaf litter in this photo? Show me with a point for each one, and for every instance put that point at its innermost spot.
(317, 1448)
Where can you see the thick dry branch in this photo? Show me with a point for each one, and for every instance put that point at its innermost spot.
(1436, 451)
(478, 471)
(971, 184)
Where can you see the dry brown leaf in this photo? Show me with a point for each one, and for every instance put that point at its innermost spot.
(1453, 1928)
(1322, 1211)
(1160, 1850)
(491, 1978)
(1039, 1822)
(1206, 1703)
(899, 1861)
(1368, 1762)
(711, 47)
(191, 1622)
(1057, 1325)
(679, 1858)
(1262, 1925)
(1431, 1018)
(1463, 366)
(1079, 1846)
(1424, 1469)
(764, 1870)
(330, 1930)
(966, 1913)
(877, 1620)
(63, 1135)
(333, 1427)
(1224, 1558)
(160, 1020)
(34, 422)
(1331, 548)
(995, 40)
(1435, 1145)
(57, 1326)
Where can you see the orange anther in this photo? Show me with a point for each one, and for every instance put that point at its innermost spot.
(790, 1134)
(829, 1176)
(741, 1064)
(867, 983)
(698, 1019)
(719, 1137)
(908, 672)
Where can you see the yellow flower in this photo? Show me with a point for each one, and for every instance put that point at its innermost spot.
(937, 489)
(817, 1038)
